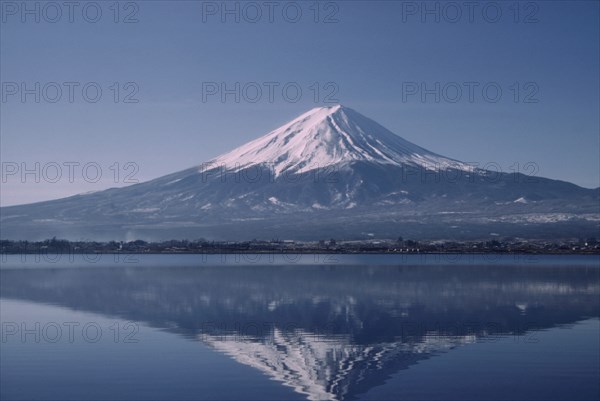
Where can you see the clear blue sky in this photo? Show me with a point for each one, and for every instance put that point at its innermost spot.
(370, 53)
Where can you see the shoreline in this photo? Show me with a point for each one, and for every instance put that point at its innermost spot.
(307, 252)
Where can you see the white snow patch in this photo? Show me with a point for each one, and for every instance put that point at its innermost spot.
(327, 136)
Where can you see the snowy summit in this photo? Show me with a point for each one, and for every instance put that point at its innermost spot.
(333, 135)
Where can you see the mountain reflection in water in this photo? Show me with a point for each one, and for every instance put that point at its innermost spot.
(329, 332)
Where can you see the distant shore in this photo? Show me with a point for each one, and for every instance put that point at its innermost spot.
(356, 247)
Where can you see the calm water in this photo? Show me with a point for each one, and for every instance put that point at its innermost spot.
(311, 327)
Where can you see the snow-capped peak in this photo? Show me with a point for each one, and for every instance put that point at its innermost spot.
(326, 136)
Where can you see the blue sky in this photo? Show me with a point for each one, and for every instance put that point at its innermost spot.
(544, 59)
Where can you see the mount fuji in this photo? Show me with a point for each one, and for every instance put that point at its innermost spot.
(331, 172)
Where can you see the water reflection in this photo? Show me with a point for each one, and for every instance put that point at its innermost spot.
(329, 332)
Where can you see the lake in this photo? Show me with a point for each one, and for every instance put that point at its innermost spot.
(300, 327)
